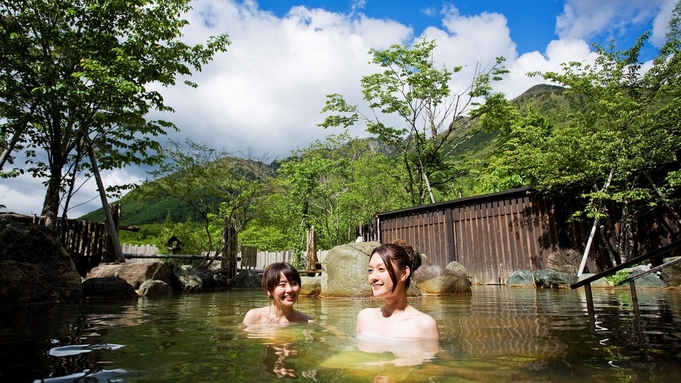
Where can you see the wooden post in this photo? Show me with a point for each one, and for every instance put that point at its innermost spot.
(311, 256)
(111, 226)
(229, 251)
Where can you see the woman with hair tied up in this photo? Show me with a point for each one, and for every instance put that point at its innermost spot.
(282, 283)
(390, 270)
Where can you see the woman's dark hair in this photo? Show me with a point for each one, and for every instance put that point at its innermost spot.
(395, 258)
(414, 256)
(270, 277)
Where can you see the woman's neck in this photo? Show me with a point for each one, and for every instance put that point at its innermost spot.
(277, 312)
(396, 302)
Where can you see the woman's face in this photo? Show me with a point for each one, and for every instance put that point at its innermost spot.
(285, 293)
(379, 277)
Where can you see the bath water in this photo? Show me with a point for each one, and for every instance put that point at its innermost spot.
(497, 334)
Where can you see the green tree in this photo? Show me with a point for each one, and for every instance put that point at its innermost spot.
(336, 185)
(622, 133)
(222, 189)
(77, 75)
(434, 121)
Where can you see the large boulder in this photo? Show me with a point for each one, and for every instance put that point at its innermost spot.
(436, 280)
(34, 266)
(344, 270)
(547, 278)
(108, 287)
(134, 273)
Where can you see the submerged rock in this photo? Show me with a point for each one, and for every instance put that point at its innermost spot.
(548, 278)
(108, 287)
(154, 287)
(134, 273)
(521, 278)
(436, 280)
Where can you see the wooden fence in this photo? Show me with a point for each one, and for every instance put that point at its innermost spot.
(496, 234)
(248, 257)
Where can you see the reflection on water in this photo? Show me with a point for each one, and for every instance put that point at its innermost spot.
(495, 334)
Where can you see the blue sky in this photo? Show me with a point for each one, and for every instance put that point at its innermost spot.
(532, 22)
(265, 94)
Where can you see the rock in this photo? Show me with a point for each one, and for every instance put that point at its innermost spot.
(134, 273)
(456, 266)
(344, 271)
(154, 287)
(185, 278)
(649, 280)
(521, 278)
(548, 278)
(435, 280)
(108, 287)
(598, 283)
(424, 260)
(672, 274)
(220, 280)
(245, 279)
(206, 278)
(311, 286)
(34, 266)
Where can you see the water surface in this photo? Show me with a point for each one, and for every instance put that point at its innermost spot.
(497, 334)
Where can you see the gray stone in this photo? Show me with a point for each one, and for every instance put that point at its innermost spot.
(598, 283)
(34, 266)
(548, 278)
(672, 274)
(207, 279)
(134, 273)
(245, 279)
(220, 280)
(344, 271)
(435, 280)
(185, 278)
(154, 287)
(521, 278)
(649, 280)
(108, 287)
(311, 286)
(456, 266)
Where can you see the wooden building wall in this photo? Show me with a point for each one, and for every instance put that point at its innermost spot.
(493, 235)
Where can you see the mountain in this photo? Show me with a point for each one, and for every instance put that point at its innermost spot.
(545, 99)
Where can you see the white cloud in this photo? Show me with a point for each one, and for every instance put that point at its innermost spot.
(585, 19)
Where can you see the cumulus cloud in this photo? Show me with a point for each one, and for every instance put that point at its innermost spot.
(587, 19)
(266, 93)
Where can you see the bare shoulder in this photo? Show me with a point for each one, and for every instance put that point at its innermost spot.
(366, 312)
(427, 326)
(254, 316)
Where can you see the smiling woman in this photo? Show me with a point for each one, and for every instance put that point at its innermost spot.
(390, 269)
(282, 283)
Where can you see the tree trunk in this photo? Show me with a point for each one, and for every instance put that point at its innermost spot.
(51, 203)
(110, 224)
